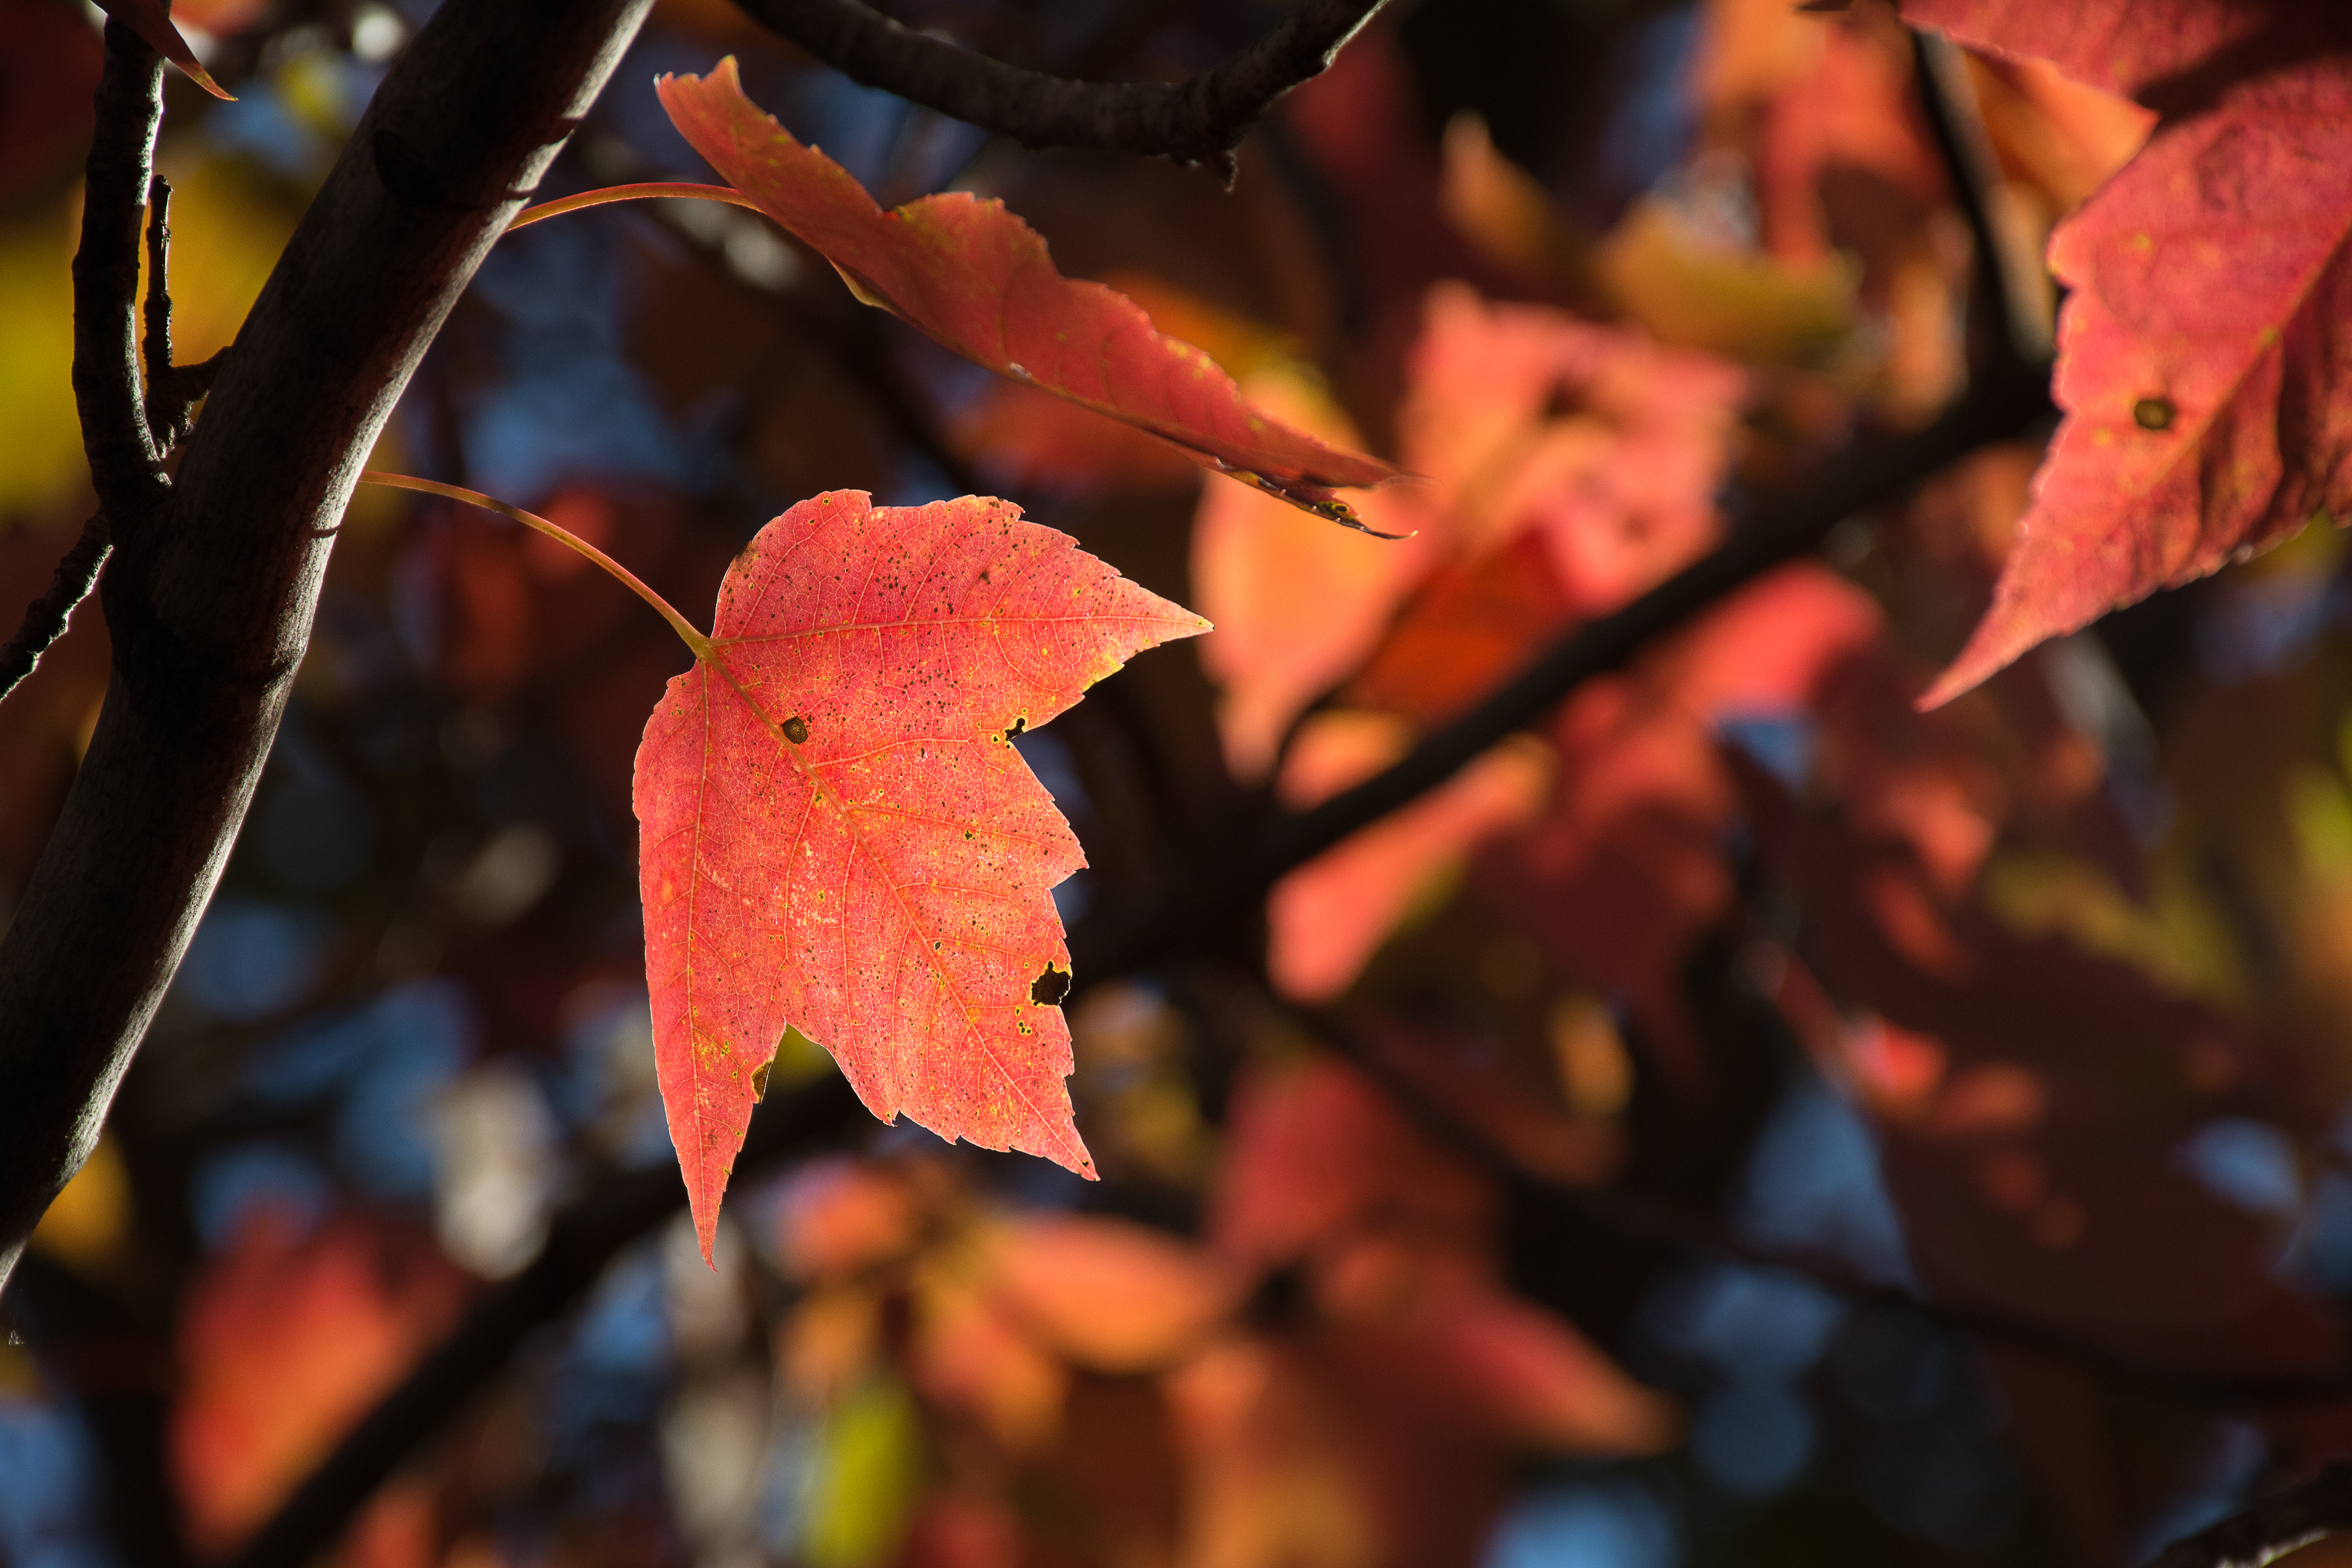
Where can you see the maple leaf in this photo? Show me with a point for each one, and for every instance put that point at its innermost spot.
(2199, 352)
(968, 273)
(837, 834)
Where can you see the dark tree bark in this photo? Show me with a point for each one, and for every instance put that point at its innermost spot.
(1196, 121)
(209, 596)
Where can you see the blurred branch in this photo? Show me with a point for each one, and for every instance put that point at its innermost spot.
(2007, 272)
(1197, 122)
(215, 578)
(2005, 402)
(1669, 1229)
(2271, 1529)
(580, 1241)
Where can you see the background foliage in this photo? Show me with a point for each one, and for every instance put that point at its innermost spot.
(1551, 1172)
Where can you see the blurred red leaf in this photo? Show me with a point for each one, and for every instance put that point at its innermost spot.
(1314, 1152)
(1297, 607)
(1596, 448)
(838, 1217)
(2209, 305)
(285, 1341)
(1327, 917)
(971, 275)
(1107, 1295)
(1511, 1371)
(2029, 1099)
(1626, 865)
(837, 834)
(1607, 445)
(1467, 626)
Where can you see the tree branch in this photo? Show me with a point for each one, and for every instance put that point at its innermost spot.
(210, 607)
(122, 458)
(2008, 401)
(2271, 1529)
(45, 618)
(1197, 122)
(2007, 271)
(580, 1241)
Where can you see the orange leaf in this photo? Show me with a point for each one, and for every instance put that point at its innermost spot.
(285, 1341)
(1327, 917)
(966, 271)
(1108, 1295)
(1297, 607)
(836, 832)
(1466, 627)
(2209, 311)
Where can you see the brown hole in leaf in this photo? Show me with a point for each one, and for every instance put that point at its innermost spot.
(760, 1081)
(2153, 414)
(1019, 723)
(1048, 989)
(796, 730)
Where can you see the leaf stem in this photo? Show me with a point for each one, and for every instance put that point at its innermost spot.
(598, 198)
(695, 641)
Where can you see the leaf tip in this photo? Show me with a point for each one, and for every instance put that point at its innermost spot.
(706, 1228)
(1976, 665)
(204, 79)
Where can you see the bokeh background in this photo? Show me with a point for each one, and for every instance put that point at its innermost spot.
(1297, 1324)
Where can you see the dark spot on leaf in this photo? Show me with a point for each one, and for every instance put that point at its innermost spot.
(2153, 413)
(760, 1081)
(796, 730)
(1048, 989)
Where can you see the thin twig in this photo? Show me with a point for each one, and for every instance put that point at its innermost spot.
(580, 1241)
(2007, 402)
(45, 618)
(122, 456)
(2271, 1529)
(1197, 122)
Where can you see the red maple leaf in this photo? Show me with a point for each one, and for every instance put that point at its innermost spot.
(968, 273)
(2210, 313)
(836, 832)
